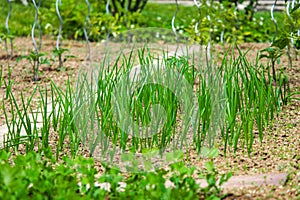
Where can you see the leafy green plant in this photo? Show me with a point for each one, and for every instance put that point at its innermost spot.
(226, 24)
(6, 38)
(288, 36)
(35, 59)
(273, 54)
(37, 176)
(213, 189)
(71, 11)
(58, 53)
(100, 26)
(235, 25)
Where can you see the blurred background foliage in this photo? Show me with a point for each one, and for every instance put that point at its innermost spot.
(226, 22)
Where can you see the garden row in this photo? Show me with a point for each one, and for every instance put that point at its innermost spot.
(195, 101)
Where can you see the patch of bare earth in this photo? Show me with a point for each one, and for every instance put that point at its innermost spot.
(279, 152)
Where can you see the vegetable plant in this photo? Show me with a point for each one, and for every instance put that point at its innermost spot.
(36, 59)
(34, 174)
(249, 96)
(286, 37)
(273, 54)
(58, 53)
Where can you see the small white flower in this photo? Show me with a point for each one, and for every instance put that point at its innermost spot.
(122, 187)
(30, 186)
(24, 2)
(103, 186)
(148, 187)
(158, 18)
(180, 32)
(254, 19)
(157, 35)
(102, 28)
(261, 23)
(169, 184)
(261, 18)
(163, 37)
(132, 26)
(193, 20)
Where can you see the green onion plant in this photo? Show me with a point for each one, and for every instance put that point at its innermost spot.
(234, 100)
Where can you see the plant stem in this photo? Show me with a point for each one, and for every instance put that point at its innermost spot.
(289, 56)
(273, 70)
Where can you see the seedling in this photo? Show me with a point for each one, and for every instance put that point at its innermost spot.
(58, 53)
(273, 54)
(7, 38)
(35, 59)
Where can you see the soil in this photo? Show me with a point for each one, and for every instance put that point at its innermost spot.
(278, 152)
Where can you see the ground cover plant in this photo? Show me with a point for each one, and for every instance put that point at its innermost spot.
(221, 102)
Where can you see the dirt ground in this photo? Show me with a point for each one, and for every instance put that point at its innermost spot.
(279, 151)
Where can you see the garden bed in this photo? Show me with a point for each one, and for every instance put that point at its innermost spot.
(278, 153)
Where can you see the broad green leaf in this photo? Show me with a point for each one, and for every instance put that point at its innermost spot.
(210, 166)
(281, 42)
